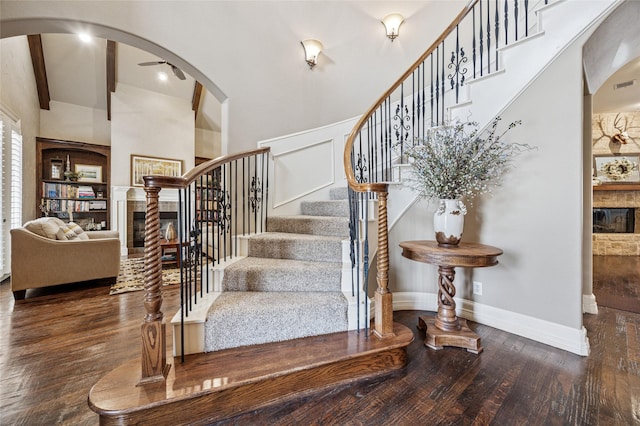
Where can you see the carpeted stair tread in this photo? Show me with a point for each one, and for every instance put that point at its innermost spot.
(283, 245)
(265, 274)
(250, 318)
(325, 208)
(317, 225)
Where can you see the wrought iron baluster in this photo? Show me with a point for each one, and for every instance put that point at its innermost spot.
(458, 59)
(473, 39)
(506, 22)
(515, 18)
(481, 37)
(488, 37)
(424, 101)
(431, 85)
(526, 18)
(437, 106)
(497, 32)
(442, 82)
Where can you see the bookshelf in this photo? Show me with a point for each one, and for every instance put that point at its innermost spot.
(73, 181)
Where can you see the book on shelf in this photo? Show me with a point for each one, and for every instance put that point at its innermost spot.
(85, 191)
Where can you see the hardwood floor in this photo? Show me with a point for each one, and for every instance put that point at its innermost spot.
(59, 342)
(616, 282)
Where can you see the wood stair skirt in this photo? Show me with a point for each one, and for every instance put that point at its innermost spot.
(216, 386)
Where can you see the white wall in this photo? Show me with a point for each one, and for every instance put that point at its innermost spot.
(146, 123)
(75, 123)
(18, 94)
(208, 143)
(225, 45)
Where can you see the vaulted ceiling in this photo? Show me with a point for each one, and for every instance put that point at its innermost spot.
(83, 73)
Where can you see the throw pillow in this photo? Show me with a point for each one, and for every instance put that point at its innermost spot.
(45, 227)
(65, 233)
(78, 230)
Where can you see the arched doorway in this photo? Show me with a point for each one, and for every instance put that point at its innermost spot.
(612, 48)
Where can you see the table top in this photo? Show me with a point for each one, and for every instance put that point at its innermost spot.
(471, 255)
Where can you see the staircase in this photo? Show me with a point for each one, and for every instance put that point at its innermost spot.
(276, 325)
(290, 284)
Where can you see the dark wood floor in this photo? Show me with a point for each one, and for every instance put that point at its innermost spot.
(58, 342)
(616, 282)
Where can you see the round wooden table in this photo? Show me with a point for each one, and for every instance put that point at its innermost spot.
(446, 329)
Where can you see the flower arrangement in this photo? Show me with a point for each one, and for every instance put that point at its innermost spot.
(618, 169)
(456, 160)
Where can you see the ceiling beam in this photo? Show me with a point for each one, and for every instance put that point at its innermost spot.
(39, 70)
(195, 100)
(111, 73)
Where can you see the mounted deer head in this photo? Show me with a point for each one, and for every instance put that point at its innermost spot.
(622, 124)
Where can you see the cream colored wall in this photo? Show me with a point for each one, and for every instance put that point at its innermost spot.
(208, 143)
(18, 94)
(149, 124)
(75, 123)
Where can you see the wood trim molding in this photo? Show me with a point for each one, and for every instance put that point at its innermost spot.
(195, 100)
(111, 73)
(39, 69)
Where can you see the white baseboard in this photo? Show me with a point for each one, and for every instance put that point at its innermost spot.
(552, 334)
(589, 305)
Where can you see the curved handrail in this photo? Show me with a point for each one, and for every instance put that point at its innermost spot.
(380, 186)
(179, 182)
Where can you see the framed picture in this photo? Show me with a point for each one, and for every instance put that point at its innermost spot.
(146, 166)
(56, 169)
(88, 173)
(617, 168)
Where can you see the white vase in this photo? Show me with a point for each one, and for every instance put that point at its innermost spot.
(170, 233)
(448, 222)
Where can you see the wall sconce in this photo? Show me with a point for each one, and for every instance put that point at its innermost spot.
(392, 24)
(312, 49)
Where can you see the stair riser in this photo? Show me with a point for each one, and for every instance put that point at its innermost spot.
(330, 227)
(283, 280)
(325, 208)
(319, 251)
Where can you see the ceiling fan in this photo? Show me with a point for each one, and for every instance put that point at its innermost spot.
(176, 71)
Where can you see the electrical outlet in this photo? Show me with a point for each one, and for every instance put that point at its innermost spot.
(477, 288)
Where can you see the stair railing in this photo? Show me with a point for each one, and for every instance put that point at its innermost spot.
(219, 201)
(418, 100)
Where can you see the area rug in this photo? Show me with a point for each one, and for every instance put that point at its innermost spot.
(131, 276)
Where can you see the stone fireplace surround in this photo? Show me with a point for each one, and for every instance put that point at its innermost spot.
(126, 200)
(617, 244)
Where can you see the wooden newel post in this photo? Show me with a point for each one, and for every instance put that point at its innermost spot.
(383, 325)
(153, 332)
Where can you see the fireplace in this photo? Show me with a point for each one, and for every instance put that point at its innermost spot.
(166, 217)
(614, 220)
(136, 213)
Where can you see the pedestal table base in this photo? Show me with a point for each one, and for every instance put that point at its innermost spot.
(437, 338)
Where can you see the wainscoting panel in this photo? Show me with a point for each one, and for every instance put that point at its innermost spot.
(301, 171)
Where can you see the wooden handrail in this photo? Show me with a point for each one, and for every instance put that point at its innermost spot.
(179, 182)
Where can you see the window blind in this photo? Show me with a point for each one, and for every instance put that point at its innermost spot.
(11, 186)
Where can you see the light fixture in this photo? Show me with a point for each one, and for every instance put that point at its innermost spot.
(162, 76)
(84, 37)
(392, 24)
(312, 49)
